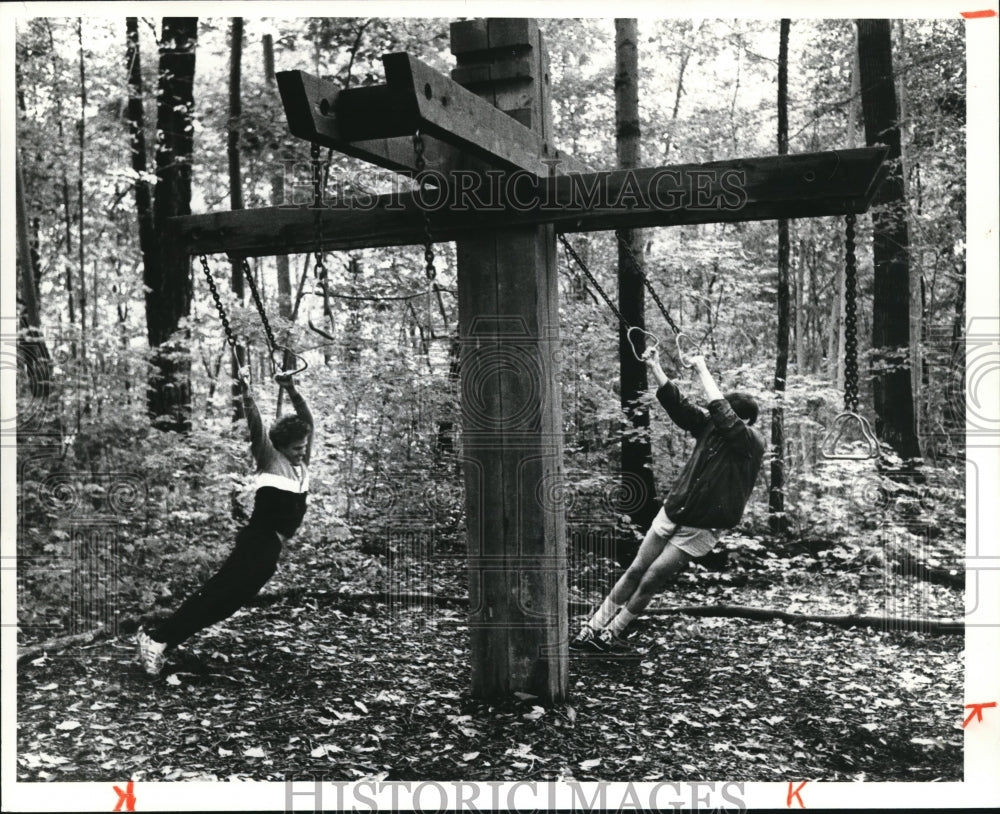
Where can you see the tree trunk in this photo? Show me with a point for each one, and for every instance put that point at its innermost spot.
(638, 487)
(893, 394)
(284, 272)
(167, 278)
(679, 91)
(31, 344)
(801, 363)
(135, 116)
(279, 157)
(278, 189)
(734, 136)
(28, 291)
(36, 256)
(835, 342)
(916, 272)
(81, 244)
(70, 286)
(778, 520)
(815, 351)
(64, 192)
(278, 192)
(235, 192)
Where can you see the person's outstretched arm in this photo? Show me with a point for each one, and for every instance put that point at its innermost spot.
(733, 428)
(712, 391)
(259, 442)
(652, 359)
(301, 408)
(682, 412)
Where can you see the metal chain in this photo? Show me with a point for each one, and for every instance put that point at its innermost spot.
(319, 184)
(421, 164)
(850, 319)
(271, 342)
(645, 280)
(319, 269)
(583, 267)
(230, 338)
(317, 175)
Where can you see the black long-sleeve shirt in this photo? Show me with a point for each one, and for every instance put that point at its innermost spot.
(712, 489)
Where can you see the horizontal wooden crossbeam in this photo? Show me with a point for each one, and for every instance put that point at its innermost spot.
(377, 123)
(746, 189)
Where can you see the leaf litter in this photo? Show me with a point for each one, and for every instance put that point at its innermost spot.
(740, 700)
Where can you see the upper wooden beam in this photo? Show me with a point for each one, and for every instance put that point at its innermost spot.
(747, 189)
(460, 117)
(318, 112)
(377, 123)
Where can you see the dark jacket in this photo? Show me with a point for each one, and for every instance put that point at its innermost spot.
(713, 487)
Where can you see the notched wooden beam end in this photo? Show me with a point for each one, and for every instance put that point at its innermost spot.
(294, 88)
(317, 110)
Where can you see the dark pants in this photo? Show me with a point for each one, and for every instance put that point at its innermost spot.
(247, 568)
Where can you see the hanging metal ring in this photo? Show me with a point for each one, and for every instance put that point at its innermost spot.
(831, 448)
(303, 364)
(651, 341)
(681, 355)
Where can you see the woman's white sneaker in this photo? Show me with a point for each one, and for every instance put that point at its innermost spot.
(151, 652)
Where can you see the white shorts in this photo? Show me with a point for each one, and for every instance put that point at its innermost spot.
(692, 541)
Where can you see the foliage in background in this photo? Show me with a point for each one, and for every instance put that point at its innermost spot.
(383, 385)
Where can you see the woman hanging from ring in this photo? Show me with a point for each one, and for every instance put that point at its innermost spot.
(282, 485)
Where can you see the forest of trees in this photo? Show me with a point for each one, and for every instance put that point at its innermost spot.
(133, 470)
(122, 124)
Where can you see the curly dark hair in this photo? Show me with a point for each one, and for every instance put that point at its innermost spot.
(744, 405)
(289, 429)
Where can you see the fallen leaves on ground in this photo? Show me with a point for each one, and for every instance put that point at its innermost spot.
(355, 691)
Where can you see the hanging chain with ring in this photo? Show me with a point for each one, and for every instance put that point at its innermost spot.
(651, 340)
(272, 344)
(850, 421)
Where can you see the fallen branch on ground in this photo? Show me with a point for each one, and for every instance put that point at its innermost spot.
(411, 599)
(886, 623)
(55, 645)
(883, 623)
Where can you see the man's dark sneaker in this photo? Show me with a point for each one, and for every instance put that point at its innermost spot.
(613, 644)
(586, 640)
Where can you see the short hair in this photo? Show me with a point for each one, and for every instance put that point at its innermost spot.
(744, 405)
(289, 429)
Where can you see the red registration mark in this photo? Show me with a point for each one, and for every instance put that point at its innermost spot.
(126, 797)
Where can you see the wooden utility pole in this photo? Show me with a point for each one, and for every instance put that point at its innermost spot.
(512, 418)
